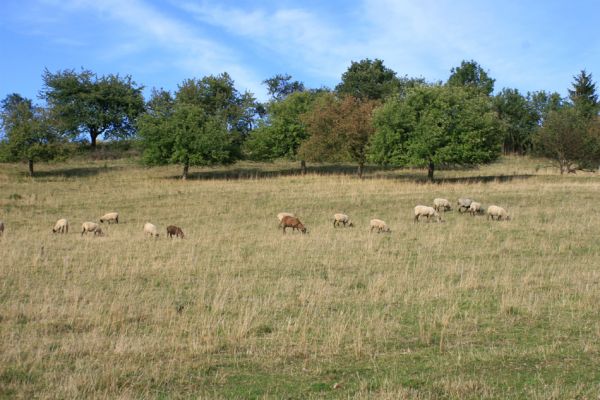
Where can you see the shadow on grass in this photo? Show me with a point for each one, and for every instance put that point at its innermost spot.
(369, 172)
(77, 172)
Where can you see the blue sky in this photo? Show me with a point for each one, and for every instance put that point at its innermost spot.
(528, 45)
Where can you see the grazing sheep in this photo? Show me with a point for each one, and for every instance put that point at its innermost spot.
(281, 215)
(150, 229)
(442, 205)
(110, 217)
(61, 226)
(173, 230)
(463, 204)
(426, 211)
(498, 212)
(292, 222)
(1, 228)
(475, 208)
(380, 225)
(91, 227)
(341, 219)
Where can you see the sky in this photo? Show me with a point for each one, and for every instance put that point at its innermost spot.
(524, 44)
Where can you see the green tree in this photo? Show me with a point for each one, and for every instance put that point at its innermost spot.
(280, 86)
(186, 135)
(570, 139)
(368, 79)
(436, 125)
(584, 96)
(542, 102)
(83, 103)
(340, 130)
(282, 132)
(29, 133)
(518, 118)
(471, 75)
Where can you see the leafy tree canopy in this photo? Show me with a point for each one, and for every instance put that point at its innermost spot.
(471, 75)
(280, 86)
(368, 79)
(85, 103)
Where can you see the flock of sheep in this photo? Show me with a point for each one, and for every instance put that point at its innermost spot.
(289, 220)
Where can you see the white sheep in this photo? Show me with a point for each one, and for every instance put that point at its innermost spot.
(498, 212)
(150, 229)
(441, 205)
(426, 211)
(91, 227)
(475, 208)
(110, 217)
(463, 204)
(340, 218)
(1, 228)
(380, 225)
(61, 226)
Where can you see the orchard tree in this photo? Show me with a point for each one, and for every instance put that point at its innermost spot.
(340, 130)
(584, 96)
(280, 86)
(471, 75)
(436, 125)
(569, 139)
(368, 80)
(518, 119)
(187, 135)
(83, 103)
(283, 131)
(29, 134)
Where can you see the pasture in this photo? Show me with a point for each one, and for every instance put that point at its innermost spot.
(468, 308)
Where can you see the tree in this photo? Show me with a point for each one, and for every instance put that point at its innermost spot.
(340, 129)
(518, 118)
(188, 136)
(281, 86)
(471, 75)
(29, 134)
(584, 96)
(85, 103)
(436, 125)
(368, 79)
(569, 139)
(541, 103)
(281, 134)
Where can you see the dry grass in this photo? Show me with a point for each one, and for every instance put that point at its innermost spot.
(465, 309)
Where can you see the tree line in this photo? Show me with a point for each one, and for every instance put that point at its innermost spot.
(372, 116)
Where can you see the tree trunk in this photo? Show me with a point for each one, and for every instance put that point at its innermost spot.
(303, 167)
(360, 169)
(430, 169)
(93, 135)
(186, 168)
(30, 167)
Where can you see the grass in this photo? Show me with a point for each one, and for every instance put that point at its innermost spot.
(465, 309)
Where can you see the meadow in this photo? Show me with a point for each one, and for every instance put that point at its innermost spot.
(468, 308)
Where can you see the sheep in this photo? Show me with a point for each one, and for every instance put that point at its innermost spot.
(91, 227)
(173, 230)
(341, 219)
(428, 212)
(498, 212)
(1, 228)
(281, 215)
(292, 222)
(380, 225)
(61, 226)
(442, 205)
(463, 204)
(475, 208)
(150, 229)
(109, 217)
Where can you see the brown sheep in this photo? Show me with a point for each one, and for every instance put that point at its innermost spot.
(292, 222)
(173, 230)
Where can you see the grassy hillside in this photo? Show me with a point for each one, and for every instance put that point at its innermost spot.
(465, 309)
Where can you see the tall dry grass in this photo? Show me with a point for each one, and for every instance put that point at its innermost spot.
(465, 309)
